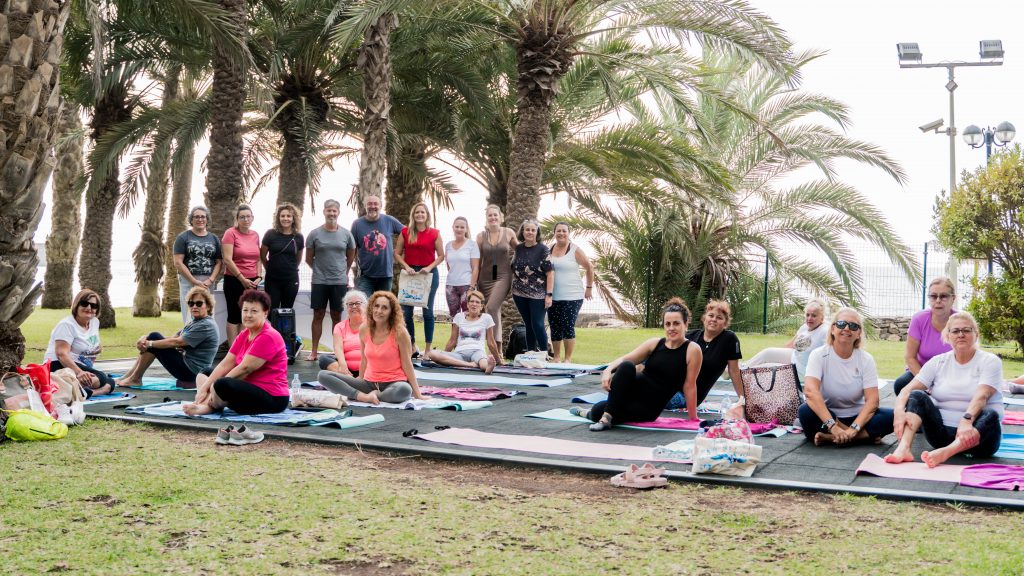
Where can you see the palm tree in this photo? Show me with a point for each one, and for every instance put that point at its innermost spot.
(701, 247)
(66, 215)
(31, 76)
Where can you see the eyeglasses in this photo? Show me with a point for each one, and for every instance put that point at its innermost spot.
(961, 331)
(934, 297)
(844, 324)
(196, 303)
(199, 217)
(95, 306)
(354, 305)
(244, 217)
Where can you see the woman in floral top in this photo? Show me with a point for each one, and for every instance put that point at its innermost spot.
(533, 280)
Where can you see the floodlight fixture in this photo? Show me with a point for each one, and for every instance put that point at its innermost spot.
(911, 52)
(990, 49)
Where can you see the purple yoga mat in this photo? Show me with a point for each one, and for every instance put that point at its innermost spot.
(543, 445)
(874, 464)
(683, 424)
(470, 393)
(993, 476)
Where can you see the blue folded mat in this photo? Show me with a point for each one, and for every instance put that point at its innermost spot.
(289, 417)
(1011, 447)
(110, 397)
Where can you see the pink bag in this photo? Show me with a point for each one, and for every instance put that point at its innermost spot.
(737, 430)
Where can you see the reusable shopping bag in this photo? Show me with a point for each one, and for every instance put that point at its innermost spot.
(413, 289)
(772, 393)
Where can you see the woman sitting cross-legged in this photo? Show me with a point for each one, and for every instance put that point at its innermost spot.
(472, 335)
(955, 398)
(670, 364)
(186, 354)
(253, 377)
(841, 385)
(386, 367)
(348, 353)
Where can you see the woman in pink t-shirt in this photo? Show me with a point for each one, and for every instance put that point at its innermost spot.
(419, 250)
(386, 367)
(348, 352)
(240, 248)
(924, 338)
(253, 377)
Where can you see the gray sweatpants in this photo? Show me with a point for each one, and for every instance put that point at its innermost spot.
(392, 392)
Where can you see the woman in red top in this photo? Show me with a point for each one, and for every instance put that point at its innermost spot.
(253, 377)
(386, 368)
(419, 250)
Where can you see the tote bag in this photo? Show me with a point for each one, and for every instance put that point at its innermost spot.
(772, 393)
(413, 289)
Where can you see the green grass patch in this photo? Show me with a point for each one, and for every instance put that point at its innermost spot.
(115, 498)
(117, 342)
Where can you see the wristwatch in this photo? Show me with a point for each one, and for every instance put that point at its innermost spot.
(828, 424)
(968, 416)
(855, 426)
(550, 293)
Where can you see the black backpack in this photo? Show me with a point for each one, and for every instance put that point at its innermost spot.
(516, 341)
(283, 320)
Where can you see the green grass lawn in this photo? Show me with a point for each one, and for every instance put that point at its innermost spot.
(594, 345)
(116, 498)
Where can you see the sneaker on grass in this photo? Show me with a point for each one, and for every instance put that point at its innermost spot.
(242, 436)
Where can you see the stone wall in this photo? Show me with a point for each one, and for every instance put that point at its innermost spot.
(892, 328)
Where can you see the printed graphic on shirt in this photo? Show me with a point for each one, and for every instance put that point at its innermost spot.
(475, 334)
(802, 342)
(375, 243)
(199, 255)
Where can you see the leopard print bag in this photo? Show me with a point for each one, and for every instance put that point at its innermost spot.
(772, 393)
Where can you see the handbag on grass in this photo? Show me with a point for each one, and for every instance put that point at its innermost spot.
(772, 393)
(413, 289)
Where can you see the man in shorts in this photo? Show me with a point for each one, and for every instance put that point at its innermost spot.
(330, 251)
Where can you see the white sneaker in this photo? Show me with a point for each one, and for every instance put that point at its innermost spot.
(64, 414)
(241, 436)
(78, 412)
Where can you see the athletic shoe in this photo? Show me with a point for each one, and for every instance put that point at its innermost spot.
(224, 435)
(242, 436)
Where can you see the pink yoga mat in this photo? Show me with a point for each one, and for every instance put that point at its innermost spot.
(1013, 418)
(876, 466)
(542, 445)
(469, 393)
(683, 424)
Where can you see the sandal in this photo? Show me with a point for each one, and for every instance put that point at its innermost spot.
(640, 477)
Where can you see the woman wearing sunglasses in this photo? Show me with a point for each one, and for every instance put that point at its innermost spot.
(841, 386)
(184, 355)
(955, 398)
(75, 344)
(924, 339)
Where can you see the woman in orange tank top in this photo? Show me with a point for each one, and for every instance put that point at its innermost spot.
(386, 368)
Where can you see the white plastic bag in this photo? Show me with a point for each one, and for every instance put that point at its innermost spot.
(724, 456)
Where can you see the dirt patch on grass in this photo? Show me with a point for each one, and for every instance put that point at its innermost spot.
(366, 567)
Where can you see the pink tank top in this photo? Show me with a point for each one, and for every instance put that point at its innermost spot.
(383, 361)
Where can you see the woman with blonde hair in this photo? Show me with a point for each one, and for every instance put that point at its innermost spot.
(809, 337)
(419, 251)
(386, 372)
(841, 387)
(463, 257)
(496, 243)
(924, 338)
(472, 335)
(281, 253)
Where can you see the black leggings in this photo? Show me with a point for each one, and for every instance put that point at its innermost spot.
(633, 397)
(939, 435)
(105, 378)
(172, 360)
(246, 398)
(901, 382)
(232, 292)
(282, 292)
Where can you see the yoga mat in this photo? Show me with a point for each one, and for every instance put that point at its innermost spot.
(152, 383)
(563, 366)
(521, 370)
(592, 398)
(287, 418)
(541, 445)
(490, 380)
(874, 465)
(1011, 447)
(431, 404)
(470, 393)
(1013, 418)
(661, 424)
(110, 398)
(1013, 401)
(354, 421)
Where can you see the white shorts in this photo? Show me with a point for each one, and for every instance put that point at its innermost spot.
(473, 356)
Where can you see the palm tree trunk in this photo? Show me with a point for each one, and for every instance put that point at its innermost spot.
(181, 180)
(148, 255)
(405, 180)
(97, 235)
(227, 99)
(374, 62)
(526, 162)
(292, 175)
(66, 223)
(29, 109)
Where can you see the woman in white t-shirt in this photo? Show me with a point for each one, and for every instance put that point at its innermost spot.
(955, 398)
(809, 337)
(463, 257)
(841, 386)
(75, 344)
(472, 335)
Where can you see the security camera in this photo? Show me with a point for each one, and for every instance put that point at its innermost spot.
(932, 126)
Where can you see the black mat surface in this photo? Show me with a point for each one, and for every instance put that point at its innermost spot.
(788, 463)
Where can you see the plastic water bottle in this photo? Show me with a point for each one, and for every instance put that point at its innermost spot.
(725, 405)
(296, 385)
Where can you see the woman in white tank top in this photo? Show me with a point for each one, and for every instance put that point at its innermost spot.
(569, 292)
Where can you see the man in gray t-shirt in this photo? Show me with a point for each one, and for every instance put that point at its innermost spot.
(330, 251)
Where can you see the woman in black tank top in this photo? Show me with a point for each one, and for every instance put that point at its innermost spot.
(670, 364)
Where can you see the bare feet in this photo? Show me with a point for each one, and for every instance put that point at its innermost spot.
(311, 357)
(937, 456)
(370, 397)
(822, 438)
(196, 409)
(899, 456)
(488, 365)
(127, 382)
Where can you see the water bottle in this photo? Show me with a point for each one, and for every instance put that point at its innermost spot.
(296, 385)
(725, 405)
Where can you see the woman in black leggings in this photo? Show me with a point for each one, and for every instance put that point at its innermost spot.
(670, 364)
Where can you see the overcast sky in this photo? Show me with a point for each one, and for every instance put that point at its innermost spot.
(886, 103)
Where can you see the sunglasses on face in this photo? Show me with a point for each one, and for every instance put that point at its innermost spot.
(196, 303)
(961, 331)
(844, 324)
(92, 305)
(934, 297)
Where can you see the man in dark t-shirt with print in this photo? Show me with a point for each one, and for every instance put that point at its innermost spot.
(374, 235)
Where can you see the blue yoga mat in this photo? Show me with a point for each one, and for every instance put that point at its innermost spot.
(153, 383)
(490, 380)
(110, 398)
(287, 418)
(592, 398)
(1011, 447)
